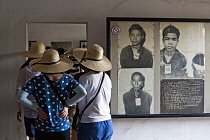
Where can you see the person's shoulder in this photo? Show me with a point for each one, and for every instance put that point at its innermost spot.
(106, 75)
(146, 94)
(145, 50)
(85, 76)
(68, 77)
(24, 70)
(180, 54)
(68, 74)
(126, 48)
(36, 78)
(127, 94)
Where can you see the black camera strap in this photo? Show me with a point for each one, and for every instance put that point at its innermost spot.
(55, 91)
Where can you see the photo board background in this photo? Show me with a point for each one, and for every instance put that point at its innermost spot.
(194, 34)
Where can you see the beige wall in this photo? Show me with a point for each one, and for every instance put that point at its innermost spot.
(15, 14)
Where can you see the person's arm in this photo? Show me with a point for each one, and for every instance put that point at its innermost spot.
(19, 83)
(125, 104)
(150, 100)
(151, 62)
(122, 58)
(80, 93)
(22, 98)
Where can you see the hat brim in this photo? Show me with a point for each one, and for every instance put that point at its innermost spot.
(64, 65)
(69, 52)
(103, 65)
(31, 55)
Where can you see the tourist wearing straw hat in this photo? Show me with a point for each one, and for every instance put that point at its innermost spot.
(25, 74)
(96, 120)
(51, 91)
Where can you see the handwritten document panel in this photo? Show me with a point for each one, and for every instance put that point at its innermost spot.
(182, 96)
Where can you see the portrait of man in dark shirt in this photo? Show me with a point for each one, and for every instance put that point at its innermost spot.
(137, 101)
(172, 62)
(136, 55)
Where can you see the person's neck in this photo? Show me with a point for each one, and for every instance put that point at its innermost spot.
(54, 77)
(136, 47)
(136, 92)
(171, 53)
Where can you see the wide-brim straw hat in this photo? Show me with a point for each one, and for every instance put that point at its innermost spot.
(36, 50)
(51, 62)
(93, 58)
(69, 52)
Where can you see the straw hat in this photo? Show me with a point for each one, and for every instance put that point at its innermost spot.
(69, 52)
(93, 58)
(51, 62)
(36, 50)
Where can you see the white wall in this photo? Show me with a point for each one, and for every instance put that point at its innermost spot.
(13, 17)
(57, 32)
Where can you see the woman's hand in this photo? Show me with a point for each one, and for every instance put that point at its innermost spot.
(72, 111)
(41, 114)
(64, 112)
(19, 116)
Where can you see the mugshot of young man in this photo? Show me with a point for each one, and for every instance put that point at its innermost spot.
(198, 66)
(136, 55)
(172, 62)
(137, 101)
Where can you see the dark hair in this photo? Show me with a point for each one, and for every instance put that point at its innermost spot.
(140, 75)
(60, 51)
(198, 59)
(171, 29)
(138, 27)
(26, 63)
(48, 47)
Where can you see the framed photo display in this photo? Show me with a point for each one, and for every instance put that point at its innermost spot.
(65, 45)
(159, 67)
(83, 44)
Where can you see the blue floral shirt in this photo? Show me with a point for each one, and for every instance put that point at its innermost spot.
(48, 100)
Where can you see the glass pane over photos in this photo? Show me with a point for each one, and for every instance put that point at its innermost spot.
(158, 66)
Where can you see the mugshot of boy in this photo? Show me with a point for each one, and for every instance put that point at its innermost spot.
(172, 62)
(136, 55)
(137, 101)
(198, 66)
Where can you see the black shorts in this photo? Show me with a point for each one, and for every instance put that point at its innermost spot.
(30, 126)
(63, 135)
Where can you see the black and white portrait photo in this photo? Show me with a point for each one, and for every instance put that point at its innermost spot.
(136, 92)
(136, 42)
(198, 66)
(178, 47)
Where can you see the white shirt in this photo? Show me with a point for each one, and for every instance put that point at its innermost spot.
(99, 109)
(24, 75)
